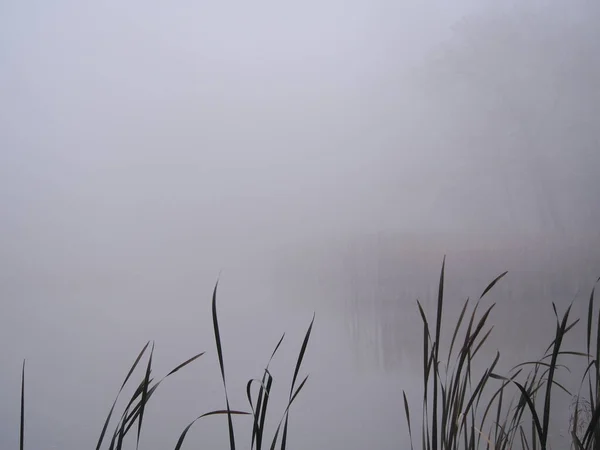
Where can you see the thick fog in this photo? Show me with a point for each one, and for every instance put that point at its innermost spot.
(320, 156)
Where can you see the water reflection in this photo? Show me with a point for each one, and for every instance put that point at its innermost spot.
(375, 280)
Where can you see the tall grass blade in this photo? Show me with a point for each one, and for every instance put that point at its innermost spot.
(255, 411)
(560, 330)
(22, 428)
(301, 354)
(220, 355)
(296, 370)
(498, 412)
(285, 414)
(262, 402)
(438, 327)
(275, 350)
(460, 319)
(425, 346)
(263, 413)
(144, 398)
(407, 412)
(483, 339)
(121, 434)
(589, 321)
(524, 441)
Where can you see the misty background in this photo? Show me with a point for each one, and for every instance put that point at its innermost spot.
(324, 156)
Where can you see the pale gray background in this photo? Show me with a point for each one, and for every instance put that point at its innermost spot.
(324, 155)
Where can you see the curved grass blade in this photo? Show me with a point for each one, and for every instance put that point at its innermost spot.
(263, 401)
(127, 416)
(564, 389)
(220, 355)
(263, 410)
(482, 382)
(130, 416)
(135, 414)
(567, 329)
(567, 352)
(183, 364)
(537, 363)
(106, 422)
(300, 386)
(491, 285)
(229, 413)
(528, 400)
(256, 412)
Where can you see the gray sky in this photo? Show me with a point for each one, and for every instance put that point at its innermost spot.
(146, 121)
(144, 146)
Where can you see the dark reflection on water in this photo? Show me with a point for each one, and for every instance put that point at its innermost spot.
(377, 279)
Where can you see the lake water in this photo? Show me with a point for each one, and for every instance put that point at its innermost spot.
(364, 350)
